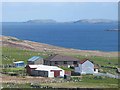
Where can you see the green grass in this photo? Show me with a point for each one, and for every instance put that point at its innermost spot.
(14, 69)
(87, 81)
(101, 60)
(9, 55)
(15, 85)
(81, 85)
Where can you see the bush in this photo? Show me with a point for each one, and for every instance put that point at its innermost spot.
(98, 77)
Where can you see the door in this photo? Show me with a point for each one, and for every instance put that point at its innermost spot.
(56, 73)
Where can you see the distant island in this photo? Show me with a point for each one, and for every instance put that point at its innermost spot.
(90, 21)
(41, 21)
(95, 21)
(112, 30)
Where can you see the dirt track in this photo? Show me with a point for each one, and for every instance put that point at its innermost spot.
(26, 79)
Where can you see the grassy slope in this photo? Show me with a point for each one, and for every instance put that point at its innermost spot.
(14, 54)
(88, 82)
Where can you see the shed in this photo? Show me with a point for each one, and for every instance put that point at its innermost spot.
(35, 60)
(19, 64)
(45, 71)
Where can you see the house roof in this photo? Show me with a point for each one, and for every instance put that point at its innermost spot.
(34, 58)
(61, 58)
(18, 62)
(44, 67)
(81, 62)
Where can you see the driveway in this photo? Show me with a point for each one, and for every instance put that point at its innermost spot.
(108, 75)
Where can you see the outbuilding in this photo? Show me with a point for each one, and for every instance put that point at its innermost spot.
(35, 60)
(44, 71)
(19, 64)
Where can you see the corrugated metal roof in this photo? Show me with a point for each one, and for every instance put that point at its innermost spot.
(34, 58)
(44, 67)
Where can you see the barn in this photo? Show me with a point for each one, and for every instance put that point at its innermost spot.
(35, 60)
(44, 71)
(86, 67)
(19, 64)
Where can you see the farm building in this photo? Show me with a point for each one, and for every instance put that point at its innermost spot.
(60, 60)
(19, 64)
(44, 71)
(86, 67)
(35, 60)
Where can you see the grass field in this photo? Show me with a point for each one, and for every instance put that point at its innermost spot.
(15, 54)
(9, 55)
(88, 81)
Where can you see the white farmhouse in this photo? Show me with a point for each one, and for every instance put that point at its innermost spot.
(86, 67)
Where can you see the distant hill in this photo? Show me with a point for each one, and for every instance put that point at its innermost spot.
(42, 21)
(95, 21)
(92, 21)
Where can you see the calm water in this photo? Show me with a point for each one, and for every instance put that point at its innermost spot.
(77, 36)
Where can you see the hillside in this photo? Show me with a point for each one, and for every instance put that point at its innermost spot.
(34, 46)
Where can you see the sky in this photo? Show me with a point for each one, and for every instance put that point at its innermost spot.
(59, 11)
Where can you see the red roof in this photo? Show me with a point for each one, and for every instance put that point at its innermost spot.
(81, 62)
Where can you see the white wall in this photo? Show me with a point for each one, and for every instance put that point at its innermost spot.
(51, 74)
(78, 69)
(87, 68)
(62, 73)
(96, 71)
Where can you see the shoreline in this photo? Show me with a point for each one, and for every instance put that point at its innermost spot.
(36, 46)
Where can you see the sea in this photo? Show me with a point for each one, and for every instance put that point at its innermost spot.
(82, 36)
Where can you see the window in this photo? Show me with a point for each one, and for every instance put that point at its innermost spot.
(75, 62)
(56, 62)
(65, 62)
